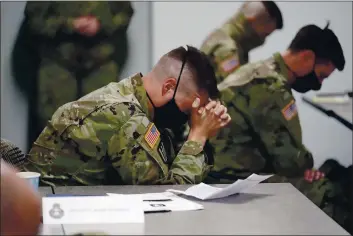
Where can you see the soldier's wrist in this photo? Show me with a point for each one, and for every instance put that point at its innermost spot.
(197, 136)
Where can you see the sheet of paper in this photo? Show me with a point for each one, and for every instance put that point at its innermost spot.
(154, 202)
(96, 210)
(205, 192)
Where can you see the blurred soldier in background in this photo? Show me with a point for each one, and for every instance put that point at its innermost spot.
(229, 45)
(65, 50)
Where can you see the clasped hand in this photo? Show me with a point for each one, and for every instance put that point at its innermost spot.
(206, 121)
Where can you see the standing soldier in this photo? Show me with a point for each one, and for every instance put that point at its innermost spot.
(72, 48)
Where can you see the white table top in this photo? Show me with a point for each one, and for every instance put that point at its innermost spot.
(265, 209)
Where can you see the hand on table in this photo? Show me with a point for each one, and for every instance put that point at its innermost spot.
(313, 175)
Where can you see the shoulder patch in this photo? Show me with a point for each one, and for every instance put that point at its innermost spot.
(290, 110)
(152, 135)
(229, 64)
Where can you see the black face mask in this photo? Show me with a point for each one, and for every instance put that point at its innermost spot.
(305, 83)
(169, 115)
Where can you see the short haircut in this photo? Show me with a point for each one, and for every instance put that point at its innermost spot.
(323, 42)
(197, 68)
(274, 12)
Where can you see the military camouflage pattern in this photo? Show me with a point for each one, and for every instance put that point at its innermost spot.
(100, 139)
(228, 48)
(70, 64)
(230, 44)
(264, 135)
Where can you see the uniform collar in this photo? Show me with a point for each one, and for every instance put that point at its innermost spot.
(140, 92)
(281, 65)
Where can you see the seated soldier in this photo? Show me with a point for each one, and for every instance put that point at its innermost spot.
(115, 135)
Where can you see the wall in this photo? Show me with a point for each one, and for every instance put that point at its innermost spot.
(13, 105)
(178, 23)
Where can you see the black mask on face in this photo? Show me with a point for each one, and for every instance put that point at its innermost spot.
(306, 83)
(169, 115)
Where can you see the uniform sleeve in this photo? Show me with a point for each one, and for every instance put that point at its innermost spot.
(43, 23)
(277, 129)
(222, 50)
(139, 163)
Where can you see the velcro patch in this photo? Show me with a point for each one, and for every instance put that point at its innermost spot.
(290, 110)
(162, 152)
(229, 64)
(152, 135)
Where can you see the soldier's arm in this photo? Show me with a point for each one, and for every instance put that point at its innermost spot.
(42, 22)
(276, 126)
(143, 161)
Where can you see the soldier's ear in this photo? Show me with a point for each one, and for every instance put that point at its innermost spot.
(168, 87)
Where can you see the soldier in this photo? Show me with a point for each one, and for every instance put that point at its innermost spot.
(67, 49)
(229, 45)
(265, 133)
(107, 136)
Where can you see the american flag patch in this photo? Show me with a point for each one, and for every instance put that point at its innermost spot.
(152, 135)
(290, 110)
(229, 64)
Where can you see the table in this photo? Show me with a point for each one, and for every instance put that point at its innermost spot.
(341, 112)
(43, 191)
(264, 209)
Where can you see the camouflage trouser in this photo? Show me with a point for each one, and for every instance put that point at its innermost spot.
(59, 85)
(324, 193)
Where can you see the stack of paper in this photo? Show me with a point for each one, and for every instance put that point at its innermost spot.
(205, 192)
(163, 202)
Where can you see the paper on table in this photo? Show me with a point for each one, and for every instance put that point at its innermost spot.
(92, 210)
(205, 192)
(163, 202)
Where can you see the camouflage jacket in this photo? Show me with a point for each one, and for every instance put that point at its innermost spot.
(264, 135)
(229, 45)
(107, 138)
(54, 37)
(51, 18)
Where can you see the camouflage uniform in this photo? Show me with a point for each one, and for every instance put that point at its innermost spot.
(70, 65)
(228, 48)
(264, 135)
(229, 45)
(107, 138)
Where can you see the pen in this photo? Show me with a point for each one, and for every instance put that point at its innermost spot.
(158, 200)
(160, 211)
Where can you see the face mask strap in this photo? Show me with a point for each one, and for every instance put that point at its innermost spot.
(181, 70)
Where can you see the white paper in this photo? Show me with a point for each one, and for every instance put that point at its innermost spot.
(92, 210)
(163, 202)
(205, 192)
